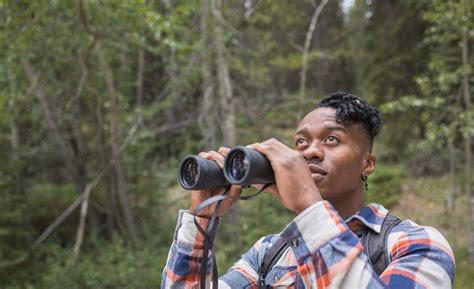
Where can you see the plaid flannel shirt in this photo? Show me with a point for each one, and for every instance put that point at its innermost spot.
(325, 252)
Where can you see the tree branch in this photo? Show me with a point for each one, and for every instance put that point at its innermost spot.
(304, 59)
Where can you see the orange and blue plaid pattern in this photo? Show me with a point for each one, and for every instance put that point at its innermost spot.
(325, 252)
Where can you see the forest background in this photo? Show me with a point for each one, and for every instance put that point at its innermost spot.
(100, 100)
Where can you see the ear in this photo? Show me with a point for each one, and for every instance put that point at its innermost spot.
(368, 165)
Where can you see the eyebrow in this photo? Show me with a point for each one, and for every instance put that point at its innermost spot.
(334, 127)
(304, 130)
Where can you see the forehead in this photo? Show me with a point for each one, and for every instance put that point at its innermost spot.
(319, 117)
(324, 118)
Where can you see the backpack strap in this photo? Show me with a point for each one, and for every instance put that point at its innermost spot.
(374, 248)
(270, 260)
(375, 244)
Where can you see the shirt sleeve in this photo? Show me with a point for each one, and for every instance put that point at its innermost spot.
(183, 265)
(329, 255)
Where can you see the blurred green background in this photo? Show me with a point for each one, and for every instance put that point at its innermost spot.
(99, 101)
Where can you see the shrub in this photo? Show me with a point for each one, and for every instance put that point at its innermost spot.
(385, 185)
(106, 265)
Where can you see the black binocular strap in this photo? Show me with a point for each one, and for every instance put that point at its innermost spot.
(209, 235)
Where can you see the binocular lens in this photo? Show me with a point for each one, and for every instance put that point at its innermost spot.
(197, 173)
(191, 172)
(239, 165)
(244, 167)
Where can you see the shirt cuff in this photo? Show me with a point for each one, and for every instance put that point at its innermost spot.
(312, 228)
(186, 231)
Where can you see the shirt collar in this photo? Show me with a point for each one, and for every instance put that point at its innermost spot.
(372, 216)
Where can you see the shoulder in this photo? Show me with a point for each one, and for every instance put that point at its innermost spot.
(407, 233)
(412, 242)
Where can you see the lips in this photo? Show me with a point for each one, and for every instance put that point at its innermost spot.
(316, 169)
(317, 172)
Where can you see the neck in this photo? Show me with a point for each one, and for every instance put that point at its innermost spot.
(349, 204)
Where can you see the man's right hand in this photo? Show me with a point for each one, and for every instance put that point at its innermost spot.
(200, 196)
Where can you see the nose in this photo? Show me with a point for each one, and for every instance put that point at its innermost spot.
(314, 151)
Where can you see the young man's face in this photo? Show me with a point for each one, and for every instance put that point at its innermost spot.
(337, 155)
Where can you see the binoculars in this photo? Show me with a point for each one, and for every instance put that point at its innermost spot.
(242, 166)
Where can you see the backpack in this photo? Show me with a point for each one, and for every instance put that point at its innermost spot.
(374, 248)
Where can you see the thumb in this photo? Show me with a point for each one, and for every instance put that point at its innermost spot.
(272, 189)
(235, 191)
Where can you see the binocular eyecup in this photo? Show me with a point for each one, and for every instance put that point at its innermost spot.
(242, 166)
(198, 173)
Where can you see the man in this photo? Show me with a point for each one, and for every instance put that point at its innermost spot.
(321, 180)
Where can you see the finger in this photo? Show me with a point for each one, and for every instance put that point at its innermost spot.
(270, 189)
(273, 144)
(258, 186)
(223, 151)
(270, 148)
(218, 158)
(263, 148)
(204, 155)
(235, 191)
(253, 146)
(267, 144)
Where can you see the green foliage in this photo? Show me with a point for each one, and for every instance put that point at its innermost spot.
(427, 155)
(115, 265)
(464, 270)
(385, 185)
(387, 36)
(263, 216)
(401, 55)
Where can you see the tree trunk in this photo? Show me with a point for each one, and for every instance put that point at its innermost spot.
(172, 67)
(467, 144)
(117, 156)
(223, 78)
(73, 166)
(451, 198)
(140, 80)
(82, 225)
(227, 106)
(66, 151)
(207, 120)
(15, 145)
(114, 219)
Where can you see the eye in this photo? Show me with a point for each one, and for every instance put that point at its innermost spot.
(331, 140)
(300, 142)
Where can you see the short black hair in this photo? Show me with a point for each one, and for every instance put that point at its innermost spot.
(352, 109)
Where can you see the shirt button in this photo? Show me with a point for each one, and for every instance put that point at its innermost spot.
(295, 242)
(276, 278)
